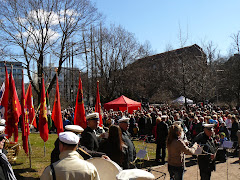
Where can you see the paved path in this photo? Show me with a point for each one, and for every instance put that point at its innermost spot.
(229, 170)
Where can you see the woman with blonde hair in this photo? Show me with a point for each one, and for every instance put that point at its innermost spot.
(176, 149)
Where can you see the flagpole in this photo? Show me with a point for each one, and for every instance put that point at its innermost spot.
(38, 107)
(44, 150)
(29, 144)
(30, 153)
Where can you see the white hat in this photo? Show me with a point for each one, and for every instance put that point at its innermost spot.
(135, 174)
(68, 138)
(74, 128)
(177, 123)
(124, 119)
(2, 122)
(208, 126)
(2, 131)
(164, 116)
(93, 116)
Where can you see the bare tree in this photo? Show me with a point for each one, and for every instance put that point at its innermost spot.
(236, 41)
(37, 28)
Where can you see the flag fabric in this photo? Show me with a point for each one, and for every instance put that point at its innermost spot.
(25, 124)
(30, 106)
(98, 106)
(14, 110)
(48, 112)
(4, 102)
(2, 90)
(79, 114)
(2, 109)
(43, 122)
(56, 112)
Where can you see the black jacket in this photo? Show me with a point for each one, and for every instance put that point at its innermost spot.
(89, 139)
(205, 162)
(162, 132)
(131, 148)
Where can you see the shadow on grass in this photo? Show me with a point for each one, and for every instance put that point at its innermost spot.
(18, 173)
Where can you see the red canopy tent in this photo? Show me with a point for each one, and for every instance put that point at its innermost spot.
(122, 104)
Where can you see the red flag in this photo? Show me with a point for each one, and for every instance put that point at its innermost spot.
(14, 110)
(56, 112)
(79, 114)
(25, 124)
(4, 102)
(30, 107)
(43, 123)
(98, 105)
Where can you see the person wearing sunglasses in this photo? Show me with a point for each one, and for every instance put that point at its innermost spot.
(6, 171)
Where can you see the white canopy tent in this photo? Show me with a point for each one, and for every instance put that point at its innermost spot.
(181, 100)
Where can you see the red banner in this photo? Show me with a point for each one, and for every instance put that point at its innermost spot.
(43, 123)
(79, 114)
(98, 106)
(56, 112)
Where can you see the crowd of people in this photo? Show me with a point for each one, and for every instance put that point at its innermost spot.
(173, 129)
(177, 130)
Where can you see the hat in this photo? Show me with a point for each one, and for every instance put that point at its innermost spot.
(2, 131)
(93, 116)
(124, 119)
(68, 138)
(222, 133)
(135, 174)
(208, 126)
(177, 123)
(74, 128)
(164, 116)
(2, 122)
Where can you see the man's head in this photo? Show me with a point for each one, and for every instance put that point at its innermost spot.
(208, 129)
(164, 117)
(124, 123)
(93, 120)
(68, 141)
(2, 136)
(74, 128)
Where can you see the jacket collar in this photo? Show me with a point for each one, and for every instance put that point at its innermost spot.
(69, 153)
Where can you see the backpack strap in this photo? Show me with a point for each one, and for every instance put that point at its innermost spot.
(53, 172)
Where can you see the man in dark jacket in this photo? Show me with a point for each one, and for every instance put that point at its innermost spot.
(206, 161)
(89, 138)
(162, 133)
(124, 125)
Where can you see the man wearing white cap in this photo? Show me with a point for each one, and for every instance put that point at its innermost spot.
(206, 162)
(71, 165)
(124, 125)
(89, 138)
(6, 171)
(83, 151)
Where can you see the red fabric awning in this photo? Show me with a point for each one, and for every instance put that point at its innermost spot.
(122, 104)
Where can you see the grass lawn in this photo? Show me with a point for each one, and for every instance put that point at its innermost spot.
(39, 161)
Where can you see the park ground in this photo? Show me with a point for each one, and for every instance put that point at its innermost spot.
(228, 170)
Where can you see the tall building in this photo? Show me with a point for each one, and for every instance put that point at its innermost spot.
(67, 79)
(17, 72)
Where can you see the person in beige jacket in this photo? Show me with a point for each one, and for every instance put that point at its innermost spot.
(71, 165)
(176, 149)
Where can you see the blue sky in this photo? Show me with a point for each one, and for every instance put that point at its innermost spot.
(158, 21)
